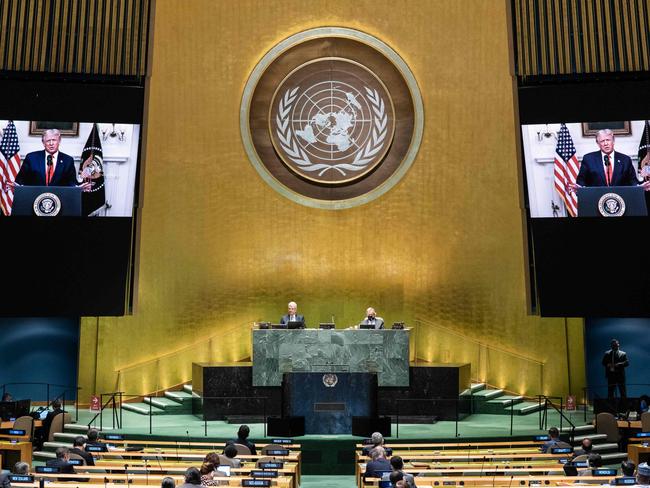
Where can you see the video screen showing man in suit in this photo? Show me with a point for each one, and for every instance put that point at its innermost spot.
(562, 157)
(49, 167)
(607, 167)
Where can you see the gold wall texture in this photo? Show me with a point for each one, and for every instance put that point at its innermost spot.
(443, 249)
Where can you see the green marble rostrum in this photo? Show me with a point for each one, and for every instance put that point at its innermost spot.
(385, 352)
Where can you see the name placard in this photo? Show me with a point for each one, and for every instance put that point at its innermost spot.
(256, 482)
(277, 452)
(257, 473)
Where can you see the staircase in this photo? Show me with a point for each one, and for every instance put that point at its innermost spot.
(497, 402)
(61, 439)
(172, 403)
(608, 450)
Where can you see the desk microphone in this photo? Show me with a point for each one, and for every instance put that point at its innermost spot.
(176, 449)
(126, 472)
(482, 464)
(105, 481)
(159, 465)
(511, 477)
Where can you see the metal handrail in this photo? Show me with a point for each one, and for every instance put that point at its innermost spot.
(549, 401)
(479, 343)
(480, 354)
(111, 400)
(47, 394)
(116, 399)
(595, 396)
(219, 337)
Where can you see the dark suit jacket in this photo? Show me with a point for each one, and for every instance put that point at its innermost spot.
(299, 318)
(32, 171)
(90, 461)
(381, 464)
(620, 361)
(245, 442)
(64, 466)
(103, 445)
(592, 172)
(4, 481)
(379, 322)
(47, 421)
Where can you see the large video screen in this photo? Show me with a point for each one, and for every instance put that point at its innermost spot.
(561, 157)
(50, 168)
(587, 266)
(77, 258)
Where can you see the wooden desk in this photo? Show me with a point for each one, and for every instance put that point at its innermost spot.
(459, 445)
(143, 479)
(290, 470)
(192, 456)
(205, 446)
(10, 425)
(12, 452)
(638, 453)
(629, 424)
(511, 481)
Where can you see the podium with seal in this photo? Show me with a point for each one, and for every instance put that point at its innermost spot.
(612, 201)
(47, 201)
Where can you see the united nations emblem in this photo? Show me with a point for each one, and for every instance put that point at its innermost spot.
(331, 118)
(332, 121)
(611, 205)
(47, 205)
(330, 380)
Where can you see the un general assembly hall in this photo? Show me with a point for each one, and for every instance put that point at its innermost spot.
(324, 244)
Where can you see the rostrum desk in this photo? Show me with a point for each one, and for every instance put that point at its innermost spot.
(279, 351)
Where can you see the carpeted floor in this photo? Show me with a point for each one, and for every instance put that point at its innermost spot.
(327, 482)
(475, 426)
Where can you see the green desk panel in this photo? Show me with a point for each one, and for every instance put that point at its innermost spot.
(277, 351)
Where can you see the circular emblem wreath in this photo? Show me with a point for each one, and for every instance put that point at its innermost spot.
(47, 205)
(339, 125)
(331, 118)
(611, 205)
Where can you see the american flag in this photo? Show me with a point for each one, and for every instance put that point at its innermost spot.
(566, 169)
(9, 166)
(644, 146)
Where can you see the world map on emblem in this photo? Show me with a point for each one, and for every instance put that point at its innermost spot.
(331, 121)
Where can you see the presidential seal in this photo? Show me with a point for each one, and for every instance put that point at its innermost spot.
(611, 205)
(330, 380)
(331, 118)
(47, 205)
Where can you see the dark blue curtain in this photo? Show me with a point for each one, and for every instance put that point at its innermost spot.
(39, 350)
(634, 336)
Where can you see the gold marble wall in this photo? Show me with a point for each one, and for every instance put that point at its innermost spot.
(220, 249)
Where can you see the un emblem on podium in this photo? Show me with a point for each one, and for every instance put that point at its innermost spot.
(331, 118)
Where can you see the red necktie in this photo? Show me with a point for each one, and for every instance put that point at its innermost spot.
(50, 170)
(609, 170)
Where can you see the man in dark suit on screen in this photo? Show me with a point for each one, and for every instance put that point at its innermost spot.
(607, 167)
(615, 361)
(292, 315)
(49, 167)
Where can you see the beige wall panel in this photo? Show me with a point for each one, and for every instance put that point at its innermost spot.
(221, 249)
